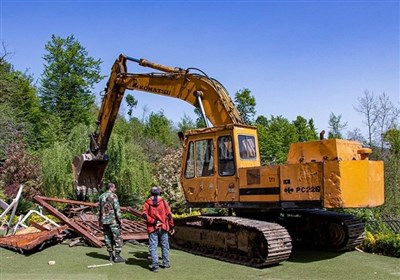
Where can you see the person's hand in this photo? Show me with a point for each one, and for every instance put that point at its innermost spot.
(172, 231)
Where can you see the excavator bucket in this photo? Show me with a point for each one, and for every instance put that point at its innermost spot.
(88, 174)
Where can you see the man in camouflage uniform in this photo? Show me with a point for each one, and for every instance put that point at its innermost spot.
(110, 221)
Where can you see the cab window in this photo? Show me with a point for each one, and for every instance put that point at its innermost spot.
(189, 168)
(204, 158)
(247, 147)
(226, 164)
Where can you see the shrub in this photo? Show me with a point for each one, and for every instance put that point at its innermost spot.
(384, 243)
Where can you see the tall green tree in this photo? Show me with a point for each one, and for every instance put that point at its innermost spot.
(57, 171)
(246, 105)
(128, 169)
(132, 103)
(336, 126)
(159, 127)
(305, 129)
(19, 107)
(275, 138)
(68, 78)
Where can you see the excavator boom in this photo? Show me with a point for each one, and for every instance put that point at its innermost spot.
(197, 89)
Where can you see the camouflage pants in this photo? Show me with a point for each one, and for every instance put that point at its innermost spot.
(112, 236)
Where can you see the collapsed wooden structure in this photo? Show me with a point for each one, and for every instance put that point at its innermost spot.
(78, 218)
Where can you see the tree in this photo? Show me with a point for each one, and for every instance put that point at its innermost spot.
(67, 80)
(274, 139)
(186, 123)
(356, 135)
(380, 115)
(367, 107)
(392, 173)
(132, 103)
(158, 127)
(392, 136)
(246, 105)
(336, 126)
(19, 107)
(305, 129)
(386, 116)
(128, 169)
(57, 171)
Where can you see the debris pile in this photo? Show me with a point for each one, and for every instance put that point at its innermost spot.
(78, 219)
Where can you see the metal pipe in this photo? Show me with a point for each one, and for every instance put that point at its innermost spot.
(198, 95)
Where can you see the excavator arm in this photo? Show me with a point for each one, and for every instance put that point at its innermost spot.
(197, 89)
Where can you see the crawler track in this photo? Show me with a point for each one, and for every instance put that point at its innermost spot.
(326, 229)
(238, 240)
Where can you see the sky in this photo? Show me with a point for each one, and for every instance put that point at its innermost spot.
(307, 58)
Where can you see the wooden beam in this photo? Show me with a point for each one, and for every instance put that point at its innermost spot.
(92, 239)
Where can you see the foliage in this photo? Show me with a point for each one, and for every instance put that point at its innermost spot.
(186, 123)
(336, 126)
(132, 103)
(200, 122)
(392, 176)
(38, 219)
(246, 105)
(10, 127)
(305, 129)
(19, 107)
(382, 243)
(158, 127)
(129, 170)
(167, 173)
(380, 115)
(68, 77)
(19, 168)
(78, 139)
(274, 137)
(392, 136)
(57, 171)
(187, 214)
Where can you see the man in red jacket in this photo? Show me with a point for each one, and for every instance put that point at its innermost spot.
(158, 215)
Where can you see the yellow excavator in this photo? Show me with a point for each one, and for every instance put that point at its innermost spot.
(269, 206)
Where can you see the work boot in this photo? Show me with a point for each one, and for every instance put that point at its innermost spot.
(118, 258)
(111, 258)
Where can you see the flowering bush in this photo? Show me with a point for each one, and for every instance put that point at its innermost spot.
(384, 243)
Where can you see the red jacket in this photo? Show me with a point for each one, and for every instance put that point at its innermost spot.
(156, 209)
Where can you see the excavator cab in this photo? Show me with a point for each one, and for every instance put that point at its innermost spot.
(212, 160)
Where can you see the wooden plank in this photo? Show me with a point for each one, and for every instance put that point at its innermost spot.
(38, 226)
(30, 241)
(91, 204)
(92, 239)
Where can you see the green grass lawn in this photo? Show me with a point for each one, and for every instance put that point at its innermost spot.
(73, 262)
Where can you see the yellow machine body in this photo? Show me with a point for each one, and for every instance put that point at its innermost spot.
(327, 173)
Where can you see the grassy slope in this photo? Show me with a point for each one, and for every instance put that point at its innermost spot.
(72, 262)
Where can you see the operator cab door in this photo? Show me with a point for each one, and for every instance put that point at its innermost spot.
(209, 171)
(199, 180)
